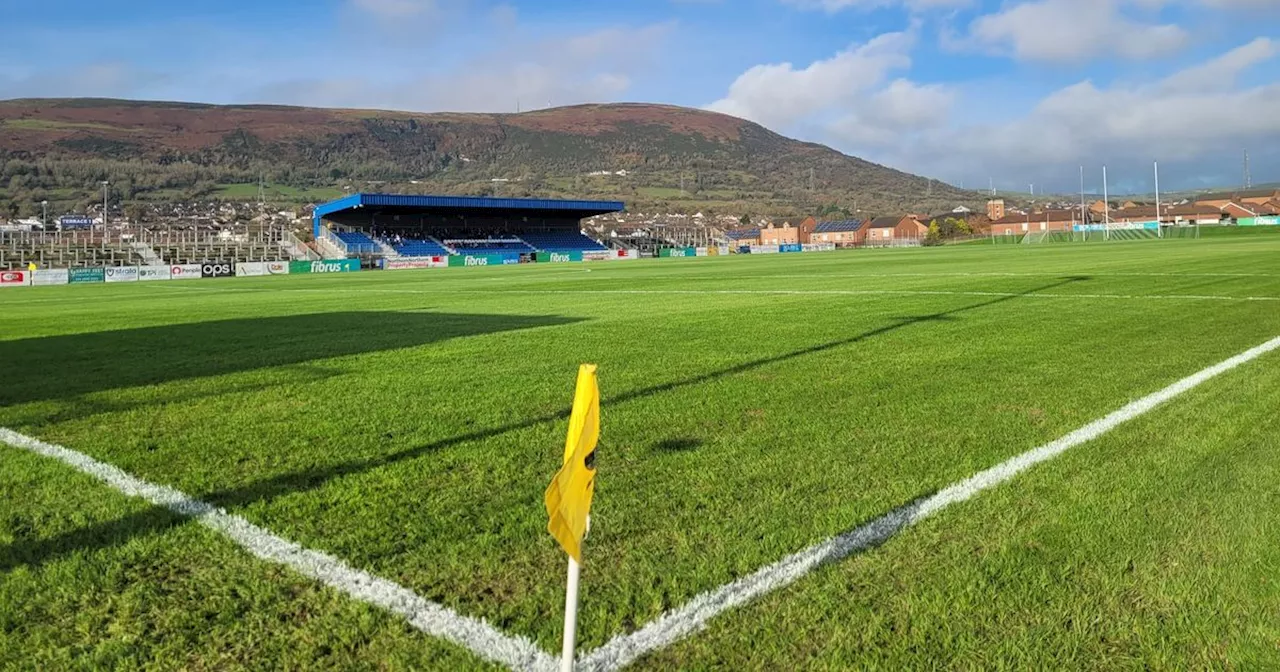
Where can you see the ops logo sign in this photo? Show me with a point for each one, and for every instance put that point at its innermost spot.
(216, 269)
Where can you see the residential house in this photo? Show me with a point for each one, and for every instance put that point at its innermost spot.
(779, 235)
(843, 233)
(995, 209)
(1246, 197)
(806, 228)
(1035, 222)
(892, 228)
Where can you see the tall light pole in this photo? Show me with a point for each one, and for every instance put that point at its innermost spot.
(104, 184)
(44, 214)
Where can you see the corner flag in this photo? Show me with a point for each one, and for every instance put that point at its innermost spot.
(568, 497)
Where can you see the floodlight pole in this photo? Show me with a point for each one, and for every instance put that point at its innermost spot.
(44, 214)
(1159, 229)
(104, 184)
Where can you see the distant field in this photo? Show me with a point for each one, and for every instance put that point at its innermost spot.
(408, 422)
(276, 192)
(51, 125)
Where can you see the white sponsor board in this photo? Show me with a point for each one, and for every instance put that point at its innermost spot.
(818, 247)
(49, 276)
(184, 271)
(277, 268)
(416, 262)
(764, 249)
(700, 252)
(153, 273)
(599, 255)
(628, 254)
(15, 278)
(122, 274)
(250, 268)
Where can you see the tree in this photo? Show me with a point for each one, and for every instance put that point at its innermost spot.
(934, 236)
(745, 220)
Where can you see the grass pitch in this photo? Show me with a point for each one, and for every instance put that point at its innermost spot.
(408, 423)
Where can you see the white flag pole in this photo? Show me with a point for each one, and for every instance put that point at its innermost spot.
(570, 618)
(571, 610)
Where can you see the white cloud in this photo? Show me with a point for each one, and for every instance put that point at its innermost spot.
(833, 6)
(1074, 30)
(1197, 120)
(395, 10)
(779, 94)
(559, 70)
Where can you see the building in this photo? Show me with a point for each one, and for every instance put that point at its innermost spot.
(1246, 197)
(995, 209)
(806, 228)
(843, 233)
(779, 235)
(1034, 222)
(894, 228)
(1171, 214)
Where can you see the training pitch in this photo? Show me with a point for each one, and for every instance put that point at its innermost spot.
(1036, 457)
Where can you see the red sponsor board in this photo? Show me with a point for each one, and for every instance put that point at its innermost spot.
(14, 278)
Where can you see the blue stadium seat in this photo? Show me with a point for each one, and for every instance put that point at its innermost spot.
(357, 242)
(561, 241)
(420, 248)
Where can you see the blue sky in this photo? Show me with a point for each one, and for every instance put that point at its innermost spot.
(1014, 91)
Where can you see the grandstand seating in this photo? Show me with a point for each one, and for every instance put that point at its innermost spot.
(357, 242)
(489, 246)
(561, 241)
(419, 248)
(52, 251)
(177, 246)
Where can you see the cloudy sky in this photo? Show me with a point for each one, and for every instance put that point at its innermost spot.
(1015, 91)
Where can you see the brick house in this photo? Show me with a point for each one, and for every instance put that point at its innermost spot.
(843, 233)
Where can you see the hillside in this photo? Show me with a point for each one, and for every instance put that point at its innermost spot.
(674, 158)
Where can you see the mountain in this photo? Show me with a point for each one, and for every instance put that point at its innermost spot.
(652, 156)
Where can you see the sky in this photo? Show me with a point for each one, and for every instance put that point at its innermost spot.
(1010, 93)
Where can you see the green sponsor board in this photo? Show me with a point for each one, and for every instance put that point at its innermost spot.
(78, 275)
(558, 257)
(1259, 221)
(326, 266)
(674, 252)
(476, 260)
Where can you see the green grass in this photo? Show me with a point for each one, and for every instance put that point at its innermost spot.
(408, 422)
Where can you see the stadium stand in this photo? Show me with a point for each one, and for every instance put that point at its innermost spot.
(358, 242)
(561, 241)
(417, 247)
(79, 249)
(489, 245)
(65, 250)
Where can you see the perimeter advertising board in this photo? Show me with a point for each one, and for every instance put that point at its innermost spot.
(49, 276)
(184, 271)
(277, 268)
(249, 269)
(15, 278)
(149, 273)
(325, 266)
(121, 274)
(416, 262)
(216, 269)
(77, 276)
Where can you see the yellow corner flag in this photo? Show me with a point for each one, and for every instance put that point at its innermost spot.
(31, 266)
(569, 495)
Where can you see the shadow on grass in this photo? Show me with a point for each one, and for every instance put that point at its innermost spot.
(112, 532)
(63, 367)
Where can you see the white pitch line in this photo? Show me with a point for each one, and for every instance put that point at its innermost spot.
(474, 634)
(693, 616)
(786, 292)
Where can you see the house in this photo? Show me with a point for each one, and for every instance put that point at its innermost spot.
(843, 233)
(1246, 197)
(886, 230)
(806, 228)
(779, 235)
(1029, 222)
(1176, 214)
(995, 209)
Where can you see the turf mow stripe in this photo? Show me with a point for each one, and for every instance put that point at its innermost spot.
(693, 616)
(476, 635)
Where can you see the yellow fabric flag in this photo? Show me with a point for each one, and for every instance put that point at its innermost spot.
(569, 495)
(31, 266)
